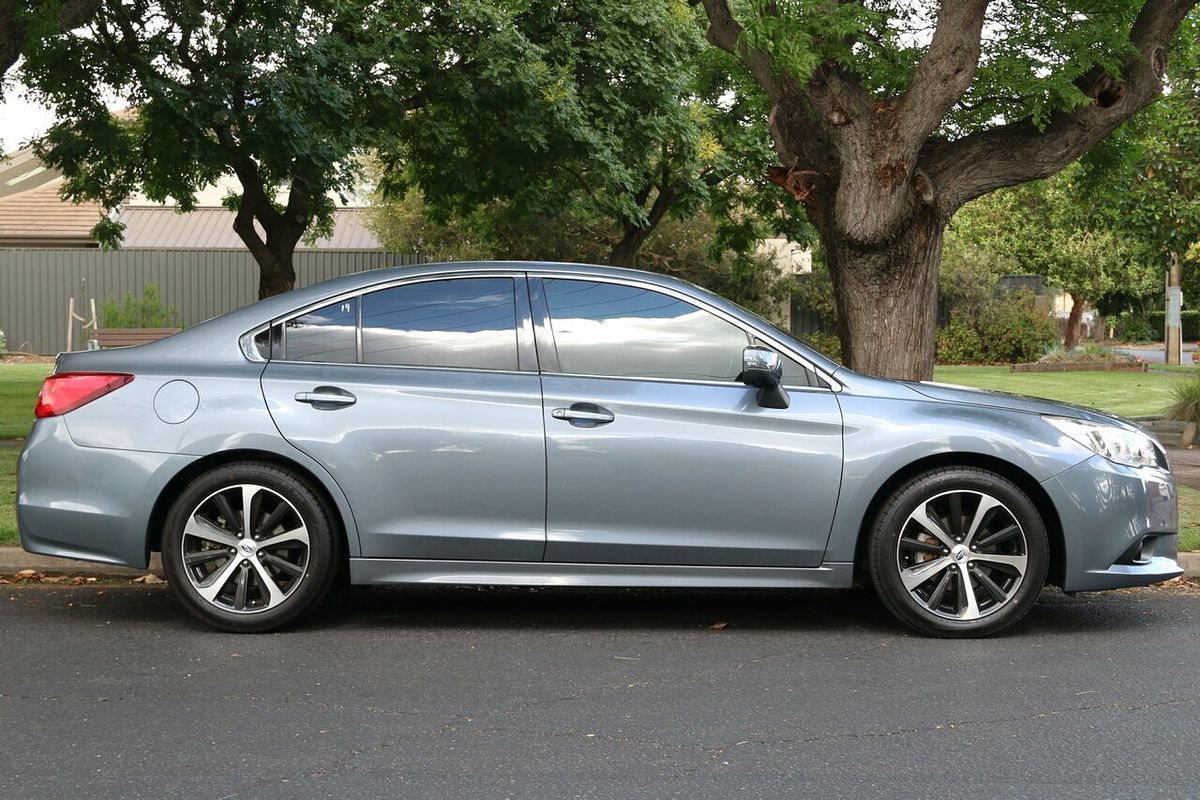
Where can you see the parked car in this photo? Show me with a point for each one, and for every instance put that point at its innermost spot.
(549, 424)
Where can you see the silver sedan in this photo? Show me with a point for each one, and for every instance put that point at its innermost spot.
(546, 424)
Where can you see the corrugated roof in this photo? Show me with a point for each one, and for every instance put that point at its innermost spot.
(163, 227)
(40, 215)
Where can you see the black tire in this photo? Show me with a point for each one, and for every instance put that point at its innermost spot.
(940, 495)
(302, 573)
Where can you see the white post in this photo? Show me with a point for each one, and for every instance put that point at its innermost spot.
(1174, 319)
(70, 323)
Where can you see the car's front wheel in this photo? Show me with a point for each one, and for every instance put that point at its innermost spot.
(958, 552)
(249, 547)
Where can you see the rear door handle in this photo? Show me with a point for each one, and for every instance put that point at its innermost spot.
(587, 415)
(326, 396)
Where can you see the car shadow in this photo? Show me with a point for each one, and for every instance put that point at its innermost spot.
(602, 609)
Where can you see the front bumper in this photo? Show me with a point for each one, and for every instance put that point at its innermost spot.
(1120, 525)
(89, 503)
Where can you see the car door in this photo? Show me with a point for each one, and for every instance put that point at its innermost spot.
(656, 454)
(423, 401)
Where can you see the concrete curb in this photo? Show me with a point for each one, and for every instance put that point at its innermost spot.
(14, 559)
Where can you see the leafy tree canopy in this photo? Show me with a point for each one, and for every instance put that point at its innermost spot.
(619, 115)
(285, 94)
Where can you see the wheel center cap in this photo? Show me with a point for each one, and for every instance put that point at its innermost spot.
(959, 553)
(248, 548)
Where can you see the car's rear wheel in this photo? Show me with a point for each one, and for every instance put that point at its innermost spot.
(250, 547)
(959, 552)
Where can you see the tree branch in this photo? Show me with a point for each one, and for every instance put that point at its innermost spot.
(1010, 154)
(726, 33)
(945, 71)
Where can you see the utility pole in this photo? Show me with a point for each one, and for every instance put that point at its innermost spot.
(1174, 332)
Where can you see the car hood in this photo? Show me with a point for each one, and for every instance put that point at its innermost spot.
(1014, 402)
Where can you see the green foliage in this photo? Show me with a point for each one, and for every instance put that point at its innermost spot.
(988, 325)
(814, 291)
(1012, 330)
(1063, 229)
(1008, 330)
(1185, 401)
(3, 344)
(681, 247)
(1160, 201)
(959, 343)
(148, 311)
(827, 344)
(1135, 328)
(1189, 321)
(613, 115)
(1032, 54)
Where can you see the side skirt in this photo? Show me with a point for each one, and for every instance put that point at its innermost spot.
(835, 575)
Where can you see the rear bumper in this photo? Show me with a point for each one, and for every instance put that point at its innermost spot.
(88, 503)
(1120, 525)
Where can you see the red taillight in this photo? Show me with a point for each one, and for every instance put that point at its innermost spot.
(68, 391)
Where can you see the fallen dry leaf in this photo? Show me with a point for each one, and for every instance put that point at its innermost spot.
(28, 575)
(149, 578)
(719, 626)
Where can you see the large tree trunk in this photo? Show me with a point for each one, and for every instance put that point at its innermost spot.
(273, 253)
(625, 252)
(634, 234)
(887, 299)
(1071, 337)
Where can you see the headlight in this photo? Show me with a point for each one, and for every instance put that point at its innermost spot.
(1119, 445)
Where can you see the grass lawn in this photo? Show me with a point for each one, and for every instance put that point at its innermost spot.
(1189, 519)
(1129, 394)
(8, 495)
(19, 386)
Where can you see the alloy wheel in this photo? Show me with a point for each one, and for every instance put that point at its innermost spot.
(245, 548)
(962, 555)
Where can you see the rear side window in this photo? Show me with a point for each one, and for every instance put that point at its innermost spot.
(329, 333)
(627, 331)
(462, 322)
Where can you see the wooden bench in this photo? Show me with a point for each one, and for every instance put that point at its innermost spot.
(128, 337)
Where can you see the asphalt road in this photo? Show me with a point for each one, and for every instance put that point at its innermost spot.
(111, 692)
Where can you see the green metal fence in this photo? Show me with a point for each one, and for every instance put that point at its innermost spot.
(37, 285)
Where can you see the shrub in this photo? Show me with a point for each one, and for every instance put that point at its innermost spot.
(958, 343)
(1185, 401)
(827, 344)
(3, 344)
(1190, 320)
(1135, 328)
(146, 312)
(1011, 330)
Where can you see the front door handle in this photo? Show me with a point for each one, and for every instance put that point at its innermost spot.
(326, 397)
(585, 415)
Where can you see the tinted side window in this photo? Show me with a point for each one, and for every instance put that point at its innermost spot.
(462, 322)
(329, 334)
(626, 331)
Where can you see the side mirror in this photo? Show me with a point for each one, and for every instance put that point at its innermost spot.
(762, 369)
